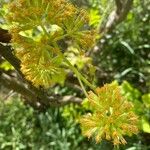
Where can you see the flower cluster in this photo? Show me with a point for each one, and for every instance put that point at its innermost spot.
(37, 26)
(39, 61)
(112, 117)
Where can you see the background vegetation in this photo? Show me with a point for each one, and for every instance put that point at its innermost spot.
(122, 54)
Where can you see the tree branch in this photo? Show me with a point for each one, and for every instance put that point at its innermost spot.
(35, 99)
(5, 37)
(116, 16)
(6, 52)
(118, 5)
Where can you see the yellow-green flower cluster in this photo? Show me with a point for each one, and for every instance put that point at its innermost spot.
(86, 39)
(32, 13)
(35, 12)
(37, 26)
(112, 117)
(39, 61)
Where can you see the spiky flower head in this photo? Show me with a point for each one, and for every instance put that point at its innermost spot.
(112, 117)
(37, 26)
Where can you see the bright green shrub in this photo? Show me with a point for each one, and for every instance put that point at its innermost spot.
(16, 125)
(21, 127)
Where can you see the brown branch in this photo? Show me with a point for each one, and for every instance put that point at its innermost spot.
(15, 85)
(126, 6)
(5, 37)
(116, 16)
(118, 5)
(73, 86)
(6, 52)
(35, 99)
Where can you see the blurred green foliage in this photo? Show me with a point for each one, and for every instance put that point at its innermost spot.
(22, 127)
(141, 103)
(124, 53)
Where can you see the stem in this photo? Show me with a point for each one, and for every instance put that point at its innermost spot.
(79, 75)
(116, 147)
(82, 86)
(60, 37)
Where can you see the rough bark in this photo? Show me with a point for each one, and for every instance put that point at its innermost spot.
(37, 99)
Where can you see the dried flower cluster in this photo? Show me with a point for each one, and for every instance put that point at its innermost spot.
(113, 117)
(37, 26)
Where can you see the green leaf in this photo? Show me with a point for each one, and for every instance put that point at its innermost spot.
(94, 17)
(145, 125)
(146, 99)
(6, 66)
(129, 48)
